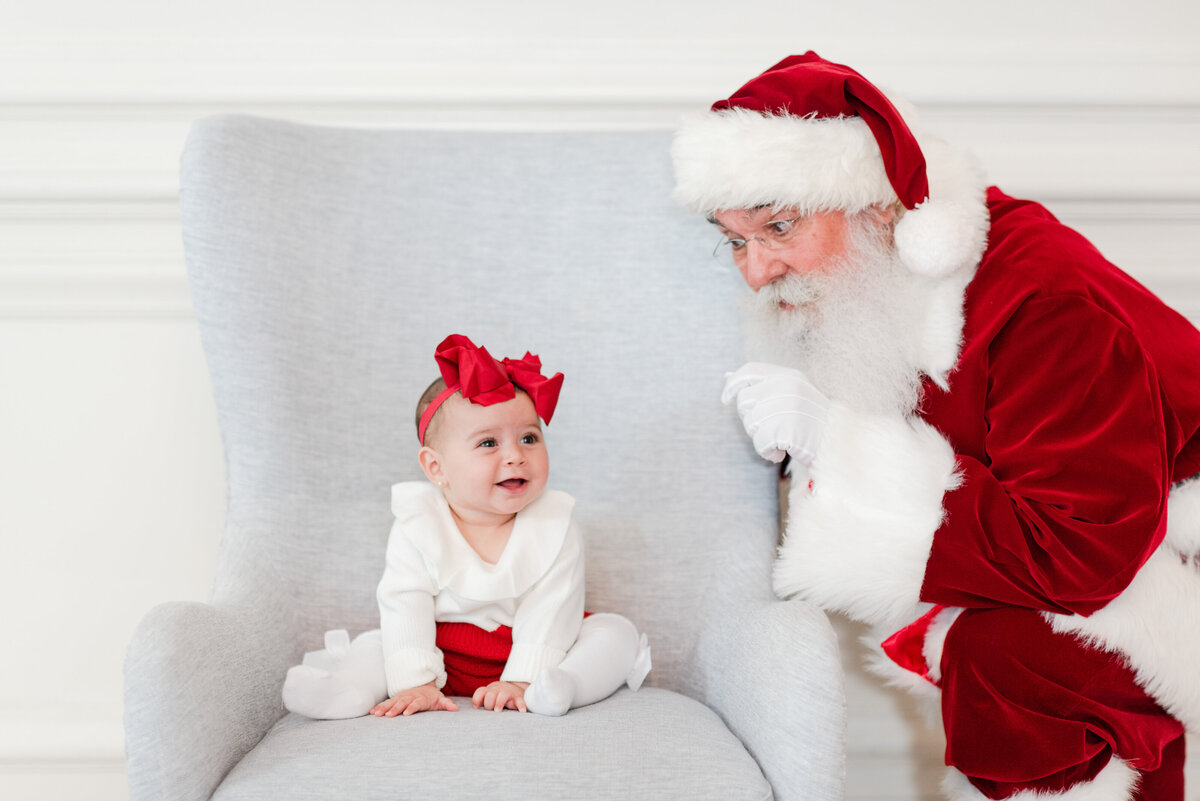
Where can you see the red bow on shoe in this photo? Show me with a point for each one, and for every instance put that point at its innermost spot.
(471, 370)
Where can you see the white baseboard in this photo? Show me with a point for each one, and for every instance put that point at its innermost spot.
(66, 781)
(50, 737)
(46, 756)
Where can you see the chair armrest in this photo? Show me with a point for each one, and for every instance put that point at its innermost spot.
(772, 670)
(200, 691)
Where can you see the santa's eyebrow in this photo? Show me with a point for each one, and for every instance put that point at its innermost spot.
(712, 218)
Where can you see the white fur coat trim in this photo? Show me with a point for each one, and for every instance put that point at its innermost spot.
(1183, 520)
(935, 640)
(879, 663)
(1115, 782)
(859, 541)
(1153, 624)
(941, 336)
(928, 695)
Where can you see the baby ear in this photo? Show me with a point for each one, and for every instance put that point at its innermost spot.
(431, 464)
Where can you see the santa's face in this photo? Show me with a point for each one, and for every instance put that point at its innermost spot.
(850, 323)
(769, 244)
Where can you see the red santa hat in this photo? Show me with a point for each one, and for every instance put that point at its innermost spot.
(819, 136)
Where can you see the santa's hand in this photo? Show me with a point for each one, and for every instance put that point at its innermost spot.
(780, 409)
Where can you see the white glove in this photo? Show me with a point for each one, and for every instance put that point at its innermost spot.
(780, 409)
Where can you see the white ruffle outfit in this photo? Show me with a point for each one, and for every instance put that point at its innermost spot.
(433, 575)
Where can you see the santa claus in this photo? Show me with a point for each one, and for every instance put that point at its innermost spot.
(997, 434)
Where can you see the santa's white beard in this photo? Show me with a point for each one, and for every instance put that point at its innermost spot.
(854, 327)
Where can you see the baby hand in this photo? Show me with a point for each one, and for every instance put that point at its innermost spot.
(500, 695)
(417, 699)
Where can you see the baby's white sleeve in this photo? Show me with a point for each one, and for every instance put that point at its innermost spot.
(549, 614)
(406, 618)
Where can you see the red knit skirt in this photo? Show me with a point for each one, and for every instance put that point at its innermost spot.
(473, 657)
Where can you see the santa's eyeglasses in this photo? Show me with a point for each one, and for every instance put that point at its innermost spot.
(776, 234)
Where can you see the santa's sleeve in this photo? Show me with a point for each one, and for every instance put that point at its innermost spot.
(859, 533)
(1068, 503)
(549, 613)
(406, 618)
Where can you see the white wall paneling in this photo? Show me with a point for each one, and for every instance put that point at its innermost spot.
(79, 258)
(111, 474)
(111, 495)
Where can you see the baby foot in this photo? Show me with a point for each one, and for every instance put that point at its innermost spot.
(319, 694)
(641, 665)
(551, 693)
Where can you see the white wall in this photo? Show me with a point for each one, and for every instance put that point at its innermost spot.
(111, 474)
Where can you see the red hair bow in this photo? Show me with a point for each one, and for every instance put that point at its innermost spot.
(481, 379)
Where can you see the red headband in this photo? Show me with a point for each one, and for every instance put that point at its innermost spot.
(481, 379)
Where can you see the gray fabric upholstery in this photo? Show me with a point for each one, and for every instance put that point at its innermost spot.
(325, 266)
(608, 750)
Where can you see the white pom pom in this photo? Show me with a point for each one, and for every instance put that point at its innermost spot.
(939, 238)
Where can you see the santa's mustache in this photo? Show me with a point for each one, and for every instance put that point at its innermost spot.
(792, 289)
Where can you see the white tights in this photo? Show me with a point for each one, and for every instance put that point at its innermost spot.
(607, 653)
(346, 678)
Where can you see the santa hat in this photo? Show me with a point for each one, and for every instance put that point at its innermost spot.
(818, 136)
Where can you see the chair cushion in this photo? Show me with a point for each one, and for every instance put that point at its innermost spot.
(653, 744)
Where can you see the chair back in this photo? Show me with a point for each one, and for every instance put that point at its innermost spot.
(327, 264)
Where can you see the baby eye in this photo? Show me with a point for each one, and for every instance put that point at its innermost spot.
(529, 439)
(487, 443)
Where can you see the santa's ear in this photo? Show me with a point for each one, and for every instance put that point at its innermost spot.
(883, 213)
(431, 464)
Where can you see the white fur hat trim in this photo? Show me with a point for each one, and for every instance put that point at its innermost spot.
(739, 159)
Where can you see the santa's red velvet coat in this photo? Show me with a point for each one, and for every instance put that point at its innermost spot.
(1074, 407)
(1035, 478)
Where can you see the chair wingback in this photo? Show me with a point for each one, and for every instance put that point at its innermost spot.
(326, 264)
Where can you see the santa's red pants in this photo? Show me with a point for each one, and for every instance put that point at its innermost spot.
(1025, 708)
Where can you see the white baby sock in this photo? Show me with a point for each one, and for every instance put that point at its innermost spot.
(607, 653)
(344, 680)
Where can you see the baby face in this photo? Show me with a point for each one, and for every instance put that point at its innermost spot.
(490, 461)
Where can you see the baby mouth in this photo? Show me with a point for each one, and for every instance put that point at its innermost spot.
(512, 484)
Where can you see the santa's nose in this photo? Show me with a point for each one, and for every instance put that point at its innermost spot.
(761, 265)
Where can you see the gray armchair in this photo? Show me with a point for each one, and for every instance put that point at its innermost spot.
(325, 266)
